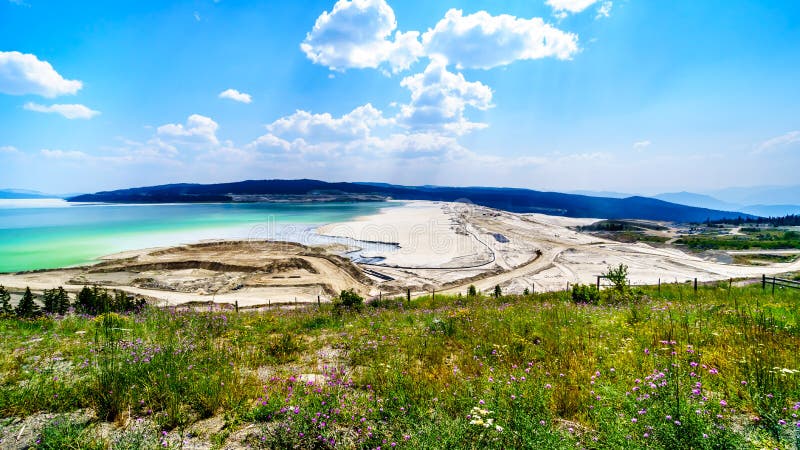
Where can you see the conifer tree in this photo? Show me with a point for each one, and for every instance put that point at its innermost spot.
(5, 302)
(62, 301)
(27, 308)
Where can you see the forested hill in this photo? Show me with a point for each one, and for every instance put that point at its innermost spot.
(509, 199)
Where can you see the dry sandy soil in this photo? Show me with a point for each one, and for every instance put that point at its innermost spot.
(442, 246)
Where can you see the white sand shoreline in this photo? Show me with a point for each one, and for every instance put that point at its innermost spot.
(439, 245)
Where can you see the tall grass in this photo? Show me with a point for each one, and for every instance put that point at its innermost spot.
(717, 368)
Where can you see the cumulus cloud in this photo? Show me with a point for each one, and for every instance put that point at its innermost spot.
(439, 98)
(9, 150)
(356, 124)
(23, 73)
(199, 131)
(641, 145)
(235, 95)
(70, 111)
(779, 142)
(483, 41)
(358, 34)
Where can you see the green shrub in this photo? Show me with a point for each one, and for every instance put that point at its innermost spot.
(582, 293)
(349, 299)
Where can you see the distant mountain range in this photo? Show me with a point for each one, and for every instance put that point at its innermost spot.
(759, 194)
(22, 194)
(509, 199)
(16, 194)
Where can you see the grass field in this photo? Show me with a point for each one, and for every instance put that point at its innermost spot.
(751, 238)
(673, 369)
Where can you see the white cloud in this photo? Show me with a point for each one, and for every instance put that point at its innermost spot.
(199, 131)
(9, 150)
(641, 145)
(70, 111)
(70, 155)
(779, 142)
(23, 73)
(439, 98)
(358, 34)
(235, 95)
(302, 124)
(570, 6)
(483, 41)
(604, 10)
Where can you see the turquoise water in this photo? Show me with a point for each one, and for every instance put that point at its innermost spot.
(50, 234)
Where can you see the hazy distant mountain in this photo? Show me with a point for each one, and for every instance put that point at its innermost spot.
(515, 200)
(771, 210)
(760, 195)
(698, 200)
(707, 201)
(22, 194)
(609, 194)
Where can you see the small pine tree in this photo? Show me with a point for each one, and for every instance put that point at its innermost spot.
(62, 301)
(497, 291)
(85, 302)
(27, 308)
(5, 302)
(49, 300)
(526, 292)
(472, 291)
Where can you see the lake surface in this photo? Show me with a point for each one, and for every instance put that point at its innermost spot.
(45, 234)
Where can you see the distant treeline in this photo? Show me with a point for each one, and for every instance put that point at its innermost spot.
(791, 220)
(91, 301)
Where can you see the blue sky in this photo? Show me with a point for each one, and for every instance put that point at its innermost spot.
(625, 95)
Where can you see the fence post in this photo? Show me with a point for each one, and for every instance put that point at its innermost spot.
(773, 286)
(318, 302)
(237, 305)
(659, 286)
(567, 286)
(408, 295)
(695, 285)
(598, 282)
(764, 282)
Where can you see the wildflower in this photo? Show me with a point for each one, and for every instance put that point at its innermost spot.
(498, 428)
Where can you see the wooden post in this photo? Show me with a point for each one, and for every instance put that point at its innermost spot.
(380, 296)
(764, 282)
(773, 286)
(695, 285)
(567, 286)
(269, 304)
(533, 288)
(408, 295)
(433, 295)
(598, 282)
(319, 303)
(237, 305)
(659, 285)
(730, 284)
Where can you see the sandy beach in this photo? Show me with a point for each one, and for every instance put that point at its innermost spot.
(438, 246)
